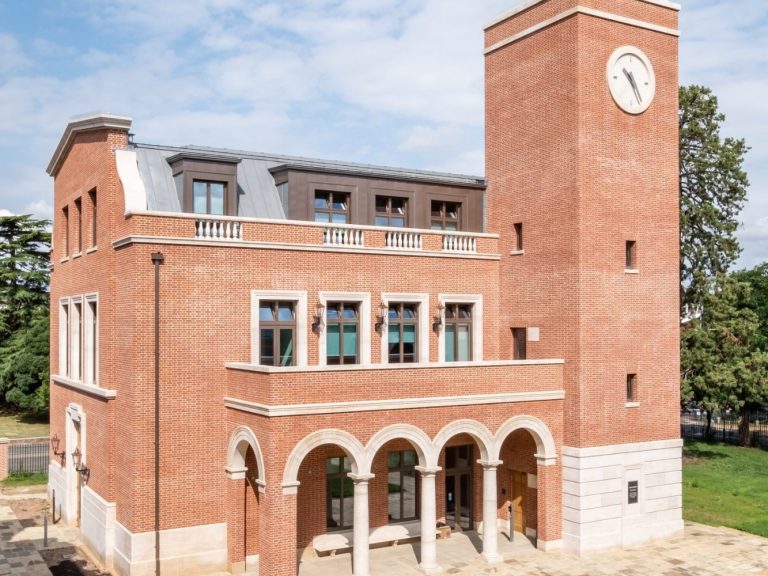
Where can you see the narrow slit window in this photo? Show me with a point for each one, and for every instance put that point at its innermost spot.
(94, 213)
(631, 387)
(79, 224)
(631, 256)
(519, 236)
(65, 219)
(519, 340)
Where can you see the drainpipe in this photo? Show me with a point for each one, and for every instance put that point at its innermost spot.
(157, 260)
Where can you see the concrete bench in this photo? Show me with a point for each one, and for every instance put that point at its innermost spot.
(389, 534)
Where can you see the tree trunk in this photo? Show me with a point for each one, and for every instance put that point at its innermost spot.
(744, 414)
(708, 431)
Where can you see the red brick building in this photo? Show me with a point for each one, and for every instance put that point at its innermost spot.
(254, 354)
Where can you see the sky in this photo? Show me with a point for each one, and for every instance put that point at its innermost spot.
(387, 82)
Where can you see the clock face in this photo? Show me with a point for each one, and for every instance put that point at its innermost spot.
(631, 79)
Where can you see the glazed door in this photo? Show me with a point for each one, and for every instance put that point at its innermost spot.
(458, 500)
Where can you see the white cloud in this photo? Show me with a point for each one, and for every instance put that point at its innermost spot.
(4, 212)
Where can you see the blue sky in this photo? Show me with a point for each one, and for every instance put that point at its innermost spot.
(392, 82)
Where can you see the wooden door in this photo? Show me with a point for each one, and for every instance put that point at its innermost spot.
(519, 488)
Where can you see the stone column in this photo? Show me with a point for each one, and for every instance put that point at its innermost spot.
(428, 562)
(490, 507)
(360, 529)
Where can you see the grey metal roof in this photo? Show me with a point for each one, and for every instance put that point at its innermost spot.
(257, 194)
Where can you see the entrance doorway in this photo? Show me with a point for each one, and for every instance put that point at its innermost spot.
(519, 487)
(458, 487)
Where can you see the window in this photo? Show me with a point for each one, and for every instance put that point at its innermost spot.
(402, 493)
(519, 338)
(631, 262)
(402, 322)
(332, 207)
(445, 215)
(91, 341)
(519, 236)
(79, 216)
(339, 493)
(65, 218)
(342, 329)
(458, 332)
(208, 197)
(277, 333)
(94, 213)
(64, 337)
(391, 211)
(75, 342)
(631, 387)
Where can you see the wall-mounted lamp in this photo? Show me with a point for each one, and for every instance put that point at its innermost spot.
(381, 317)
(55, 446)
(77, 460)
(437, 321)
(317, 319)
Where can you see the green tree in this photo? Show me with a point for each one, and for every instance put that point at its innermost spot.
(24, 278)
(713, 188)
(757, 278)
(24, 271)
(24, 366)
(722, 367)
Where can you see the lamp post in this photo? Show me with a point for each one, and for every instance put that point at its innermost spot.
(157, 260)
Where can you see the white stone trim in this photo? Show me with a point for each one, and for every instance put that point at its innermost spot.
(190, 550)
(239, 440)
(299, 297)
(64, 311)
(84, 124)
(477, 325)
(621, 448)
(97, 526)
(424, 318)
(396, 404)
(547, 545)
(478, 431)
(414, 366)
(580, 10)
(345, 440)
(76, 338)
(546, 452)
(89, 389)
(73, 482)
(363, 300)
(282, 246)
(416, 436)
(134, 192)
(90, 340)
(57, 483)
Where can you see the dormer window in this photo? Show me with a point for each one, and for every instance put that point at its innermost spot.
(206, 183)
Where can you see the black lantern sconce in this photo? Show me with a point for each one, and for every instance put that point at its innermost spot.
(55, 446)
(317, 319)
(77, 460)
(381, 317)
(437, 321)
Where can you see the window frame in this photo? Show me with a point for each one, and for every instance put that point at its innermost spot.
(363, 300)
(518, 229)
(631, 389)
(401, 469)
(64, 336)
(343, 321)
(630, 255)
(443, 219)
(423, 323)
(519, 343)
(79, 236)
(65, 217)
(186, 167)
(76, 338)
(389, 214)
(93, 219)
(208, 182)
(341, 475)
(299, 298)
(90, 368)
(330, 211)
(277, 326)
(476, 333)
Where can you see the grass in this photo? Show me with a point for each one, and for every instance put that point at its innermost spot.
(26, 479)
(18, 425)
(726, 486)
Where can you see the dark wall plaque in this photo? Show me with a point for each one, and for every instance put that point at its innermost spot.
(632, 492)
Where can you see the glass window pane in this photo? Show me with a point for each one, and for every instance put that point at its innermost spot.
(321, 200)
(463, 343)
(334, 503)
(393, 459)
(397, 222)
(217, 197)
(409, 458)
(332, 341)
(394, 334)
(409, 333)
(350, 312)
(265, 312)
(409, 311)
(322, 217)
(381, 203)
(339, 202)
(285, 312)
(393, 501)
(200, 198)
(382, 221)
(267, 347)
(350, 341)
(450, 344)
(437, 209)
(339, 218)
(393, 312)
(465, 311)
(398, 205)
(332, 312)
(451, 226)
(409, 494)
(286, 347)
(437, 225)
(332, 465)
(348, 468)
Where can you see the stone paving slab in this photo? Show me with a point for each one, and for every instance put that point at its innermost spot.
(18, 555)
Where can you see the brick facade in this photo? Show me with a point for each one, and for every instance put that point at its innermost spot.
(244, 448)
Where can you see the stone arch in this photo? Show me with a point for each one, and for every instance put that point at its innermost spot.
(545, 443)
(241, 438)
(416, 436)
(345, 440)
(479, 433)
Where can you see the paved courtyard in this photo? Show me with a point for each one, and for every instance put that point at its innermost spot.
(704, 551)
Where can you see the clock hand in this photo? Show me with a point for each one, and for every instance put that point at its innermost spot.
(631, 78)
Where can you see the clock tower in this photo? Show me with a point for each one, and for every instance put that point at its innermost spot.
(582, 171)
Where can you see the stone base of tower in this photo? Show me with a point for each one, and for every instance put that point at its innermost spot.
(621, 495)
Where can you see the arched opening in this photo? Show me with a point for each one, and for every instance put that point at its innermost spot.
(517, 484)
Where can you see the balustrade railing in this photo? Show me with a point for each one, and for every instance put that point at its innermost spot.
(402, 240)
(218, 230)
(343, 237)
(459, 244)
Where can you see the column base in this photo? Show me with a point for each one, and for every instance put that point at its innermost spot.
(430, 569)
(493, 558)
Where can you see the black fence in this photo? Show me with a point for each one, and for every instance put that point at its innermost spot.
(28, 455)
(725, 426)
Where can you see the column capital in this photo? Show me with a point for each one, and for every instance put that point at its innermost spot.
(490, 464)
(545, 460)
(427, 471)
(360, 478)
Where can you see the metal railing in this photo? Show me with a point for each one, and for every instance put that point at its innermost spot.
(28, 455)
(725, 426)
